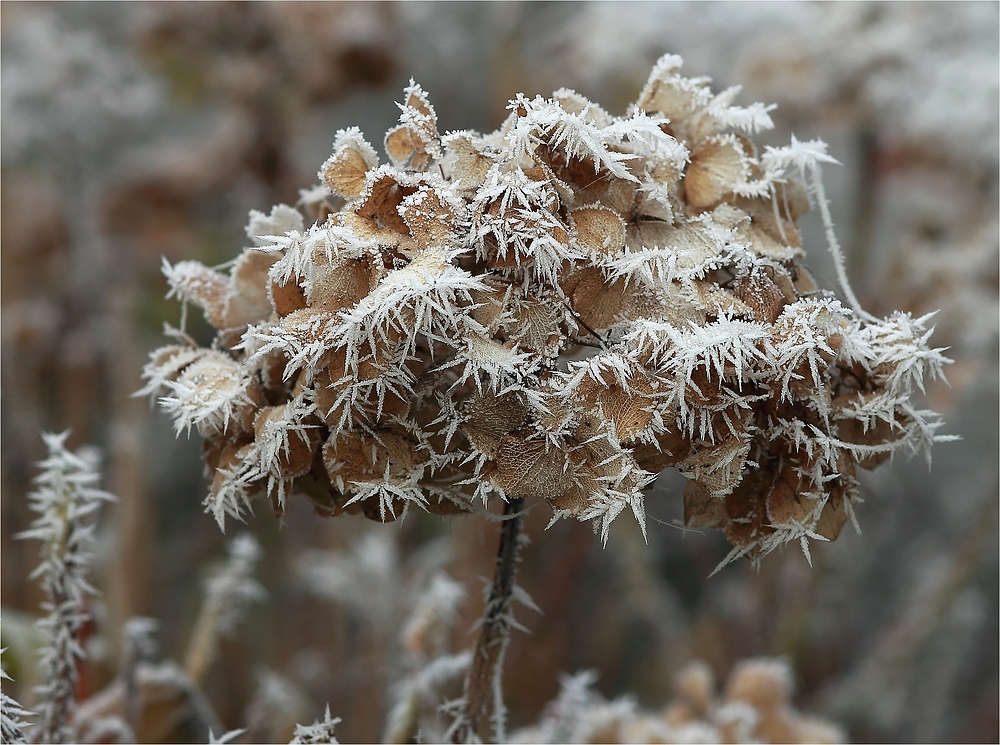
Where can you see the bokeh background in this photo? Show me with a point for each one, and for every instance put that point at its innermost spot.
(132, 132)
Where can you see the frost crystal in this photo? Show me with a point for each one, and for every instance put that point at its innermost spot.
(557, 310)
(317, 732)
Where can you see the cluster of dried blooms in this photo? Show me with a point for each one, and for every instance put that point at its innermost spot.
(557, 310)
(755, 706)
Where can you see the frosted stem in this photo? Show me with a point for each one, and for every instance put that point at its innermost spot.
(834, 246)
(483, 689)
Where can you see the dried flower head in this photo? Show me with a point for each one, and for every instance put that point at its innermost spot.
(557, 310)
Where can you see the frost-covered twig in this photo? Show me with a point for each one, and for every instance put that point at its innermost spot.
(484, 709)
(139, 646)
(227, 595)
(402, 724)
(12, 715)
(66, 500)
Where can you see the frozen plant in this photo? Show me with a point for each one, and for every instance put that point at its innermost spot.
(557, 310)
(755, 706)
(66, 499)
(12, 715)
(228, 593)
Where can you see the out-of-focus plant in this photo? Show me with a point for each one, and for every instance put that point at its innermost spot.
(557, 310)
(148, 701)
(12, 716)
(66, 500)
(755, 707)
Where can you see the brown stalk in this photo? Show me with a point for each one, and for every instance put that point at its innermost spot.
(483, 691)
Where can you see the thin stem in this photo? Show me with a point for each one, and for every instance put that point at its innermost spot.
(483, 689)
(835, 250)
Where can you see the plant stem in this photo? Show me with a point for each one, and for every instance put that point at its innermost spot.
(483, 684)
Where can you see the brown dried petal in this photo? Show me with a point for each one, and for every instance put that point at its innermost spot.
(217, 380)
(701, 509)
(761, 295)
(747, 522)
(326, 398)
(334, 288)
(786, 503)
(772, 237)
(718, 468)
(536, 325)
(489, 304)
(717, 300)
(206, 288)
(668, 93)
(381, 199)
(835, 511)
(306, 324)
(247, 300)
(525, 469)
(489, 418)
(599, 303)
(287, 298)
(302, 445)
(430, 216)
(345, 172)
(588, 183)
(387, 236)
(621, 196)
(764, 684)
(880, 433)
(229, 459)
(717, 166)
(695, 684)
(357, 457)
(598, 231)
(171, 361)
(469, 165)
(630, 412)
(405, 148)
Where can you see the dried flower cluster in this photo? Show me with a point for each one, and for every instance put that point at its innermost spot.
(557, 310)
(754, 707)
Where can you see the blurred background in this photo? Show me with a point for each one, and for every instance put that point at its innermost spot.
(134, 131)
